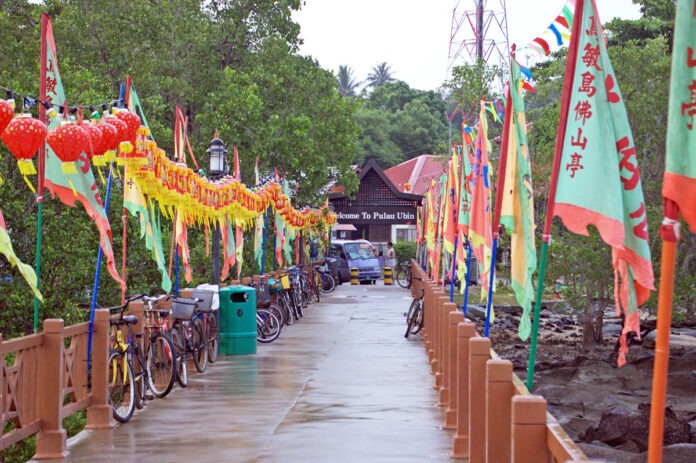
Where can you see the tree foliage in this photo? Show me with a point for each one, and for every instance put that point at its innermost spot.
(232, 67)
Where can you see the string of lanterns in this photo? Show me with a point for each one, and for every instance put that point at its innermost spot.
(120, 137)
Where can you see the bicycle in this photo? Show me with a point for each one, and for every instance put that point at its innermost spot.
(326, 281)
(414, 316)
(126, 388)
(156, 321)
(402, 274)
(267, 326)
(204, 313)
(188, 337)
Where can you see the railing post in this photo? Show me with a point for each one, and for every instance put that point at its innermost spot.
(529, 429)
(428, 326)
(498, 409)
(445, 391)
(454, 317)
(460, 443)
(51, 441)
(99, 413)
(438, 362)
(479, 353)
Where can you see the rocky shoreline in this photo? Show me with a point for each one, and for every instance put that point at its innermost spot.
(605, 409)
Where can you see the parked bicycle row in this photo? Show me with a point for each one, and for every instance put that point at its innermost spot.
(281, 298)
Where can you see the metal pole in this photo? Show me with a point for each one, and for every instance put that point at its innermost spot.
(216, 254)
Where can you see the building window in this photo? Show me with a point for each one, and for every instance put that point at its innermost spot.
(406, 233)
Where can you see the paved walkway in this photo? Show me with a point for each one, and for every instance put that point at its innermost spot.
(341, 385)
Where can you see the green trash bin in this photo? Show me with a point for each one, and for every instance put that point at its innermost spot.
(237, 320)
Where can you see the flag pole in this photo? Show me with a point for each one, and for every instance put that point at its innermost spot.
(499, 202)
(669, 231)
(465, 302)
(546, 238)
(100, 255)
(125, 93)
(42, 165)
(263, 252)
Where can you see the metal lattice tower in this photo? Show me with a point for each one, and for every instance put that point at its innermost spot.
(479, 30)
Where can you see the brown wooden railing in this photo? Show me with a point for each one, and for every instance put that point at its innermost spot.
(44, 380)
(494, 416)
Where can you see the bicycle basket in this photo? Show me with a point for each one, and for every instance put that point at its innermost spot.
(285, 281)
(182, 309)
(274, 286)
(263, 295)
(205, 297)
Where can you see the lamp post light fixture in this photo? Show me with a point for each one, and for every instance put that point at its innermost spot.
(219, 167)
(218, 159)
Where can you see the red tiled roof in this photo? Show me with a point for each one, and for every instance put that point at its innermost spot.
(418, 172)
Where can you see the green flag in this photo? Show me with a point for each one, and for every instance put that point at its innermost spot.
(599, 179)
(83, 189)
(517, 212)
(679, 183)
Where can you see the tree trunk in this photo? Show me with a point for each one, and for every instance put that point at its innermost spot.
(601, 306)
(587, 326)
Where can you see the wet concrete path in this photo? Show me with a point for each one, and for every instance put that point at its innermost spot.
(341, 385)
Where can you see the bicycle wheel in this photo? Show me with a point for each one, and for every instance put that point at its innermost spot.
(180, 351)
(121, 389)
(198, 344)
(161, 365)
(278, 312)
(267, 325)
(288, 315)
(403, 276)
(417, 321)
(213, 337)
(316, 291)
(411, 316)
(328, 283)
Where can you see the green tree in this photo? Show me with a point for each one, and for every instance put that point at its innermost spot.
(381, 74)
(469, 84)
(347, 83)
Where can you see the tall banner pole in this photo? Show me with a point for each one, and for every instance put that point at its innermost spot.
(546, 238)
(499, 202)
(42, 164)
(97, 271)
(465, 302)
(124, 94)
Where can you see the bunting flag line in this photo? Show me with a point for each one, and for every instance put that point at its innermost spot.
(517, 213)
(598, 180)
(27, 271)
(557, 34)
(70, 187)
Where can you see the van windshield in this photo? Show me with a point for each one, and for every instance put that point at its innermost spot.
(359, 251)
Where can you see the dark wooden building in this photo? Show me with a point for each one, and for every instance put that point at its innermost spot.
(379, 212)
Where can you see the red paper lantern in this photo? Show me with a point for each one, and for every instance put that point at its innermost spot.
(109, 135)
(6, 114)
(94, 139)
(68, 141)
(132, 123)
(122, 131)
(23, 137)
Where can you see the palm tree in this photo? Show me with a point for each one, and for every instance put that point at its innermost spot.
(346, 81)
(380, 75)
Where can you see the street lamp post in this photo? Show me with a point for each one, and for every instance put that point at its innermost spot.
(219, 167)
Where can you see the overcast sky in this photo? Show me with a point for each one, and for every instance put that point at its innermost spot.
(413, 36)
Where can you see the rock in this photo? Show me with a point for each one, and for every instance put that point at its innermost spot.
(475, 312)
(611, 329)
(602, 452)
(675, 340)
(676, 453)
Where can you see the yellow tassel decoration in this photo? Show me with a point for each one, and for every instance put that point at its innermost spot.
(99, 161)
(26, 167)
(69, 168)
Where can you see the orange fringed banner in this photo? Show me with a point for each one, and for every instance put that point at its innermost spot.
(201, 200)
